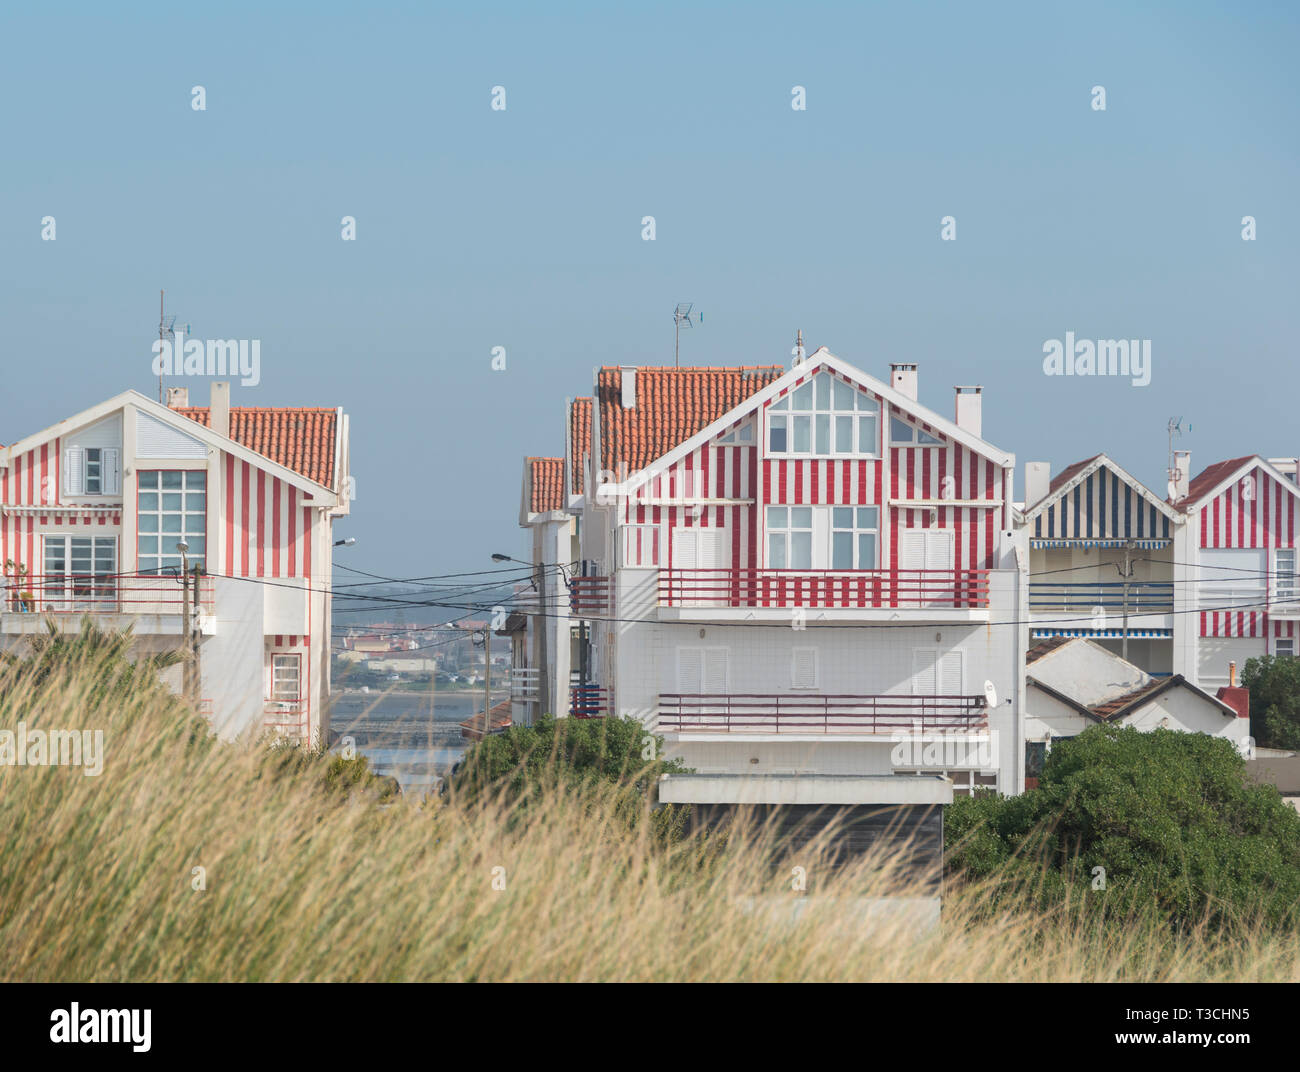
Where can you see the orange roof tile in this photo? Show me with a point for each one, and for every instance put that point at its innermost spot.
(579, 441)
(300, 438)
(672, 404)
(546, 478)
(1209, 479)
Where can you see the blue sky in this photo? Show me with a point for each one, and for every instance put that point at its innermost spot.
(478, 228)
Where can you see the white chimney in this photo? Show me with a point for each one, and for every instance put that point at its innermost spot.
(219, 410)
(902, 378)
(629, 386)
(1038, 481)
(970, 407)
(1182, 475)
(178, 397)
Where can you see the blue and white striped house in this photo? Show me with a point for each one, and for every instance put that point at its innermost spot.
(1101, 554)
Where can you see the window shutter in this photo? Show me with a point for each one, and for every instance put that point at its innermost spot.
(690, 671)
(684, 549)
(111, 472)
(74, 471)
(925, 672)
(950, 674)
(803, 668)
(715, 671)
(911, 550)
(712, 549)
(939, 550)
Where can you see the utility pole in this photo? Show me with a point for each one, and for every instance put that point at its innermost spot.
(487, 675)
(543, 671)
(1126, 573)
(195, 634)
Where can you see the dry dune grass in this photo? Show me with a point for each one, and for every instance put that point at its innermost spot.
(304, 882)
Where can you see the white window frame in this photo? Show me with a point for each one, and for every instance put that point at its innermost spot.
(740, 436)
(856, 529)
(195, 537)
(85, 590)
(815, 655)
(913, 437)
(284, 658)
(786, 532)
(829, 410)
(1281, 643)
(1286, 586)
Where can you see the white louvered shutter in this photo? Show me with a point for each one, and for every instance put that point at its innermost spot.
(911, 550)
(74, 471)
(111, 470)
(925, 672)
(715, 671)
(951, 678)
(684, 549)
(690, 671)
(803, 668)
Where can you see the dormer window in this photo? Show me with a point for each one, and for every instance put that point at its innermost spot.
(902, 434)
(92, 471)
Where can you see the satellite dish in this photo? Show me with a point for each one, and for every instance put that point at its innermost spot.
(990, 694)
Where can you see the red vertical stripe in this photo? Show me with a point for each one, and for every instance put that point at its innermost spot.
(261, 522)
(230, 515)
(275, 527)
(293, 531)
(243, 519)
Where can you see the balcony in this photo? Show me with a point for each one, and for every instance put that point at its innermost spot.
(588, 701)
(524, 683)
(753, 713)
(130, 598)
(953, 593)
(286, 718)
(1144, 597)
(590, 597)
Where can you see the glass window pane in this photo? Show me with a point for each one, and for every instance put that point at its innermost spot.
(171, 501)
(196, 479)
(801, 517)
(802, 435)
(147, 565)
(197, 544)
(866, 435)
(866, 404)
(801, 550)
(842, 517)
(843, 395)
(823, 385)
(148, 479)
(781, 403)
(171, 478)
(776, 517)
(842, 550)
(866, 550)
(196, 500)
(148, 545)
(148, 522)
(843, 435)
(776, 436)
(746, 434)
(925, 437)
(194, 523)
(149, 500)
(170, 522)
(899, 431)
(868, 517)
(776, 550)
(803, 397)
(823, 434)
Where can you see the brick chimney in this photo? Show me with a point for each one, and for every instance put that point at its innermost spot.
(178, 397)
(903, 378)
(1038, 481)
(970, 407)
(219, 410)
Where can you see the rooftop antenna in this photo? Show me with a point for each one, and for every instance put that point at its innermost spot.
(167, 333)
(798, 347)
(682, 315)
(1175, 428)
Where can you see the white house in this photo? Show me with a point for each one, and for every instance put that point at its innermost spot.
(93, 511)
(798, 577)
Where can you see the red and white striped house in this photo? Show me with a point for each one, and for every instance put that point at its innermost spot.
(788, 572)
(94, 510)
(1237, 569)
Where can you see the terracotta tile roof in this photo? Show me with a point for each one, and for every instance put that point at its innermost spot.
(546, 479)
(1209, 479)
(579, 441)
(300, 438)
(1046, 647)
(1069, 473)
(1116, 707)
(672, 404)
(498, 719)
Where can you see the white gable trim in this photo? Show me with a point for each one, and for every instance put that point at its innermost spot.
(821, 358)
(1102, 460)
(1205, 500)
(321, 495)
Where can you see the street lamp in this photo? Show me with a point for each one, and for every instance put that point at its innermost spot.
(347, 541)
(191, 648)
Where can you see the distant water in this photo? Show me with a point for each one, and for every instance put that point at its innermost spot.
(402, 736)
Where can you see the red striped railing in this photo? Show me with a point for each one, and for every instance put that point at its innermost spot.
(588, 701)
(100, 594)
(286, 718)
(846, 589)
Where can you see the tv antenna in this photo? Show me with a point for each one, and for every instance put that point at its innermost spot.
(682, 315)
(167, 333)
(1175, 428)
